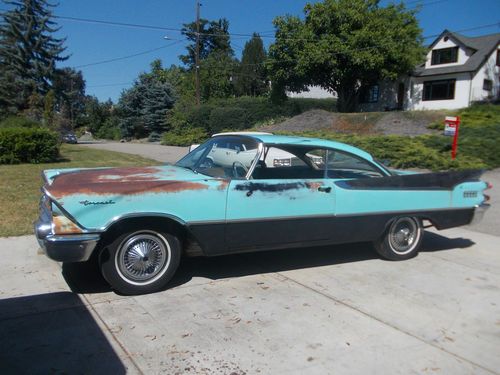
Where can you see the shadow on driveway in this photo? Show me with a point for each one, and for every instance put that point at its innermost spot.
(86, 278)
(53, 333)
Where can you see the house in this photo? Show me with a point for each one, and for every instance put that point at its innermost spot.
(313, 92)
(458, 71)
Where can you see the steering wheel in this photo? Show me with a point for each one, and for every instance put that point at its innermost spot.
(237, 167)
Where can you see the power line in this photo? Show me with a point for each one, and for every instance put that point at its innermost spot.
(128, 56)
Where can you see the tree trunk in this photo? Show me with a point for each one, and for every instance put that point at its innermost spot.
(347, 98)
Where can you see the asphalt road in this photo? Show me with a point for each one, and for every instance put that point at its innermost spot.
(327, 310)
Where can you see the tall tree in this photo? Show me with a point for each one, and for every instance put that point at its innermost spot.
(69, 88)
(251, 77)
(143, 108)
(342, 45)
(28, 51)
(214, 37)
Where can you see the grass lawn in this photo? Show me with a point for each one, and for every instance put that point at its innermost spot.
(20, 184)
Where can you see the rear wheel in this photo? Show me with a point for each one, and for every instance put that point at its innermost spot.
(401, 240)
(141, 261)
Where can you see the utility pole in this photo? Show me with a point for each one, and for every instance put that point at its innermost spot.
(197, 54)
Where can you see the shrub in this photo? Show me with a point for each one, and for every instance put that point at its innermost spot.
(425, 152)
(109, 130)
(154, 137)
(228, 118)
(185, 138)
(19, 122)
(28, 145)
(240, 113)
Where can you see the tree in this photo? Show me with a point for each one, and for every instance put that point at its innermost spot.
(216, 76)
(69, 88)
(143, 108)
(214, 37)
(342, 45)
(251, 77)
(28, 52)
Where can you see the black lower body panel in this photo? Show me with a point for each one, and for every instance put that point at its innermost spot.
(268, 234)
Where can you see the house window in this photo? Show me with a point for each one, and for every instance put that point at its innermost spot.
(498, 57)
(488, 85)
(444, 56)
(439, 90)
(370, 94)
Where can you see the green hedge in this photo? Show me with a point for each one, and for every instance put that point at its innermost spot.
(425, 151)
(28, 145)
(188, 137)
(19, 122)
(241, 113)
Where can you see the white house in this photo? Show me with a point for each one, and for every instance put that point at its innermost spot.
(458, 70)
(313, 92)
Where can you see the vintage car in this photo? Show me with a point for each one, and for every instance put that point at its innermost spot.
(139, 222)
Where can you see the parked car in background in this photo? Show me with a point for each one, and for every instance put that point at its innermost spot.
(69, 138)
(139, 222)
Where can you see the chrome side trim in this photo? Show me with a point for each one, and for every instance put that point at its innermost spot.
(64, 212)
(277, 218)
(118, 218)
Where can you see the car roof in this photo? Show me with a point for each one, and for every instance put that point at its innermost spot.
(286, 140)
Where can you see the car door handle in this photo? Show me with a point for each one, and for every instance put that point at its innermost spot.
(325, 189)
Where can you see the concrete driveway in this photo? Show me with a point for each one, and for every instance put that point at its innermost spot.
(327, 310)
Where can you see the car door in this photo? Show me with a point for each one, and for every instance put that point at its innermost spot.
(279, 212)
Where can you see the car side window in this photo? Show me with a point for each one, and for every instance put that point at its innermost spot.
(344, 165)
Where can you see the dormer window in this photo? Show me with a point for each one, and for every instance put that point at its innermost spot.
(444, 56)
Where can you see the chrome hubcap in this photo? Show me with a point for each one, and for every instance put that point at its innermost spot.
(142, 257)
(403, 235)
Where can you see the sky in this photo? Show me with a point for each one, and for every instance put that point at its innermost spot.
(89, 43)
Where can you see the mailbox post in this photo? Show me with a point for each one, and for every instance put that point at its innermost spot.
(451, 125)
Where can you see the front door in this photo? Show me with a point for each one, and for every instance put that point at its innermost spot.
(273, 213)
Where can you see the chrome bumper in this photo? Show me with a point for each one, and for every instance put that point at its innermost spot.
(479, 213)
(63, 248)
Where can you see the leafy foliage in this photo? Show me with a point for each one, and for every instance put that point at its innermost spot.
(251, 78)
(214, 37)
(187, 137)
(143, 108)
(28, 53)
(28, 145)
(342, 45)
(19, 122)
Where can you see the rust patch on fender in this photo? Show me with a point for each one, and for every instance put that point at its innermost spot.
(127, 174)
(118, 181)
(63, 225)
(125, 188)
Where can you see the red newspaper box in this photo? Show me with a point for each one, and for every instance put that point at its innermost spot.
(451, 125)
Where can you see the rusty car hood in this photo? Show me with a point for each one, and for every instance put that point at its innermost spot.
(121, 181)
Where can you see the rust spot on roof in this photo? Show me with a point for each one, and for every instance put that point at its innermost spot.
(118, 181)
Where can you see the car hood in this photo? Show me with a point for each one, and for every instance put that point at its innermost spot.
(120, 181)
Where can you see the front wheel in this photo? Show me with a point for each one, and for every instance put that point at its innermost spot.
(140, 262)
(401, 240)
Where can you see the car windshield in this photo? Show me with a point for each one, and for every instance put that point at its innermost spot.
(222, 157)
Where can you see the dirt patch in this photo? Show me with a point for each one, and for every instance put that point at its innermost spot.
(400, 123)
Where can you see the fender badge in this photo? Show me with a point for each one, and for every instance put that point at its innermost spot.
(90, 203)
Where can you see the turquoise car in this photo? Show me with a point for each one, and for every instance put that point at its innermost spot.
(227, 196)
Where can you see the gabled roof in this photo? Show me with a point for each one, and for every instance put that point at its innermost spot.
(482, 46)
